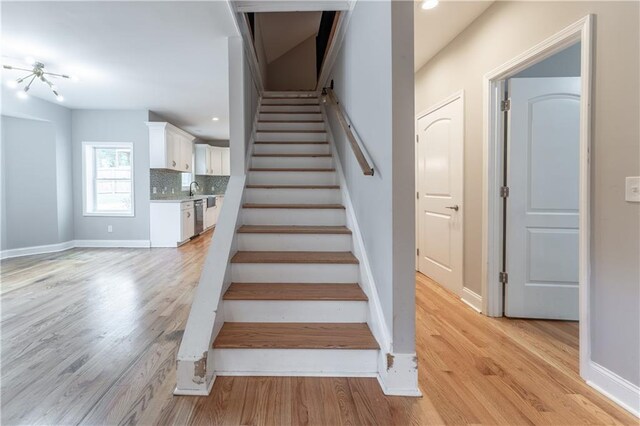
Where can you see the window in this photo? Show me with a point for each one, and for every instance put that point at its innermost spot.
(186, 181)
(108, 179)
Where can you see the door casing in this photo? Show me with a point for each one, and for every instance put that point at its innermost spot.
(492, 230)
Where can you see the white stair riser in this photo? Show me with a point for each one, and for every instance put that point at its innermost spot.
(294, 242)
(290, 117)
(284, 148)
(290, 93)
(293, 196)
(293, 217)
(295, 311)
(290, 136)
(294, 273)
(295, 362)
(290, 125)
(292, 178)
(293, 162)
(289, 108)
(290, 100)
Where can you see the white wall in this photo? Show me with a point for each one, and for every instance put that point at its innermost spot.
(373, 81)
(29, 198)
(60, 120)
(296, 69)
(505, 30)
(112, 126)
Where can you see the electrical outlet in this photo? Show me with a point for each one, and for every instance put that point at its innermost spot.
(109, 228)
(173, 191)
(632, 189)
(213, 188)
(155, 190)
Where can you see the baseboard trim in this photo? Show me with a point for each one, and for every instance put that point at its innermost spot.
(67, 245)
(471, 298)
(617, 389)
(30, 251)
(113, 243)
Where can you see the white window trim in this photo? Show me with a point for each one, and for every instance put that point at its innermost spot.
(85, 178)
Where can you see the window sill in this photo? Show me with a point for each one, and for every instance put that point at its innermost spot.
(104, 214)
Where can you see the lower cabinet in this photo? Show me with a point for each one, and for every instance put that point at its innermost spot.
(171, 223)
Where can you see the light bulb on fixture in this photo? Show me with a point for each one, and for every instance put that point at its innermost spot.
(30, 60)
(22, 94)
(429, 4)
(60, 98)
(12, 84)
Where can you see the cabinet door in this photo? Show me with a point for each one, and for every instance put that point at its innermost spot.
(226, 162)
(173, 151)
(187, 155)
(187, 229)
(216, 161)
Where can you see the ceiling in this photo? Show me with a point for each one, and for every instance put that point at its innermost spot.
(435, 28)
(168, 57)
(282, 31)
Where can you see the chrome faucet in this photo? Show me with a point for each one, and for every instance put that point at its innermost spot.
(191, 191)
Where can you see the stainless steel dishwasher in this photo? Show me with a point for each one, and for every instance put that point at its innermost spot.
(198, 225)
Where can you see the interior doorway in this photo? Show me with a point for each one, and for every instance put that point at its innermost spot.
(439, 192)
(540, 236)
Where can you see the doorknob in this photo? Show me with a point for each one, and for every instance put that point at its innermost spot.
(456, 208)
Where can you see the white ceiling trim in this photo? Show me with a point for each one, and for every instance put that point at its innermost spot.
(290, 6)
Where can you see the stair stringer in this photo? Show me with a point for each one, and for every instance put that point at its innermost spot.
(397, 373)
(195, 369)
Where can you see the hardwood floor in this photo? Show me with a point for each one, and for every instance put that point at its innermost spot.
(89, 336)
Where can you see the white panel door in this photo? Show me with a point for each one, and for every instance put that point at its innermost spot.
(542, 207)
(440, 190)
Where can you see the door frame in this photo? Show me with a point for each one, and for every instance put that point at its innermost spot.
(446, 101)
(492, 234)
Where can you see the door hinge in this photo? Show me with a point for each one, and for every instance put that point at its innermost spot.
(505, 105)
(417, 195)
(417, 138)
(503, 277)
(504, 191)
(418, 252)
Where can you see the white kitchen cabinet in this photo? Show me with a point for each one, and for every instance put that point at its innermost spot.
(172, 222)
(212, 160)
(170, 147)
(225, 162)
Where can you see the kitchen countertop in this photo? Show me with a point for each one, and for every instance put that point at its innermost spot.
(184, 199)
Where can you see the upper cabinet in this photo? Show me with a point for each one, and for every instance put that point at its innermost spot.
(212, 160)
(170, 147)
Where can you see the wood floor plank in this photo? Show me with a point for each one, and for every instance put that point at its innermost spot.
(89, 336)
(338, 257)
(293, 186)
(288, 229)
(290, 169)
(291, 291)
(289, 335)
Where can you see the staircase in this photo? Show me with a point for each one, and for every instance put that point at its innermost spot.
(295, 306)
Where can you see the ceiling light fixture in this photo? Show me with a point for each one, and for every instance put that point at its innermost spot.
(215, 119)
(39, 73)
(429, 4)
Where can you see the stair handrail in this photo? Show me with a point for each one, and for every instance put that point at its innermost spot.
(356, 146)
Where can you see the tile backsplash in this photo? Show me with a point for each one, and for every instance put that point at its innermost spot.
(168, 184)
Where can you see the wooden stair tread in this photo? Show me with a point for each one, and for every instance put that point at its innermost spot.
(291, 131)
(294, 291)
(290, 112)
(293, 186)
(260, 142)
(291, 122)
(292, 206)
(286, 229)
(292, 155)
(290, 169)
(247, 335)
(322, 257)
(295, 104)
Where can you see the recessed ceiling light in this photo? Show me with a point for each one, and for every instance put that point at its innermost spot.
(22, 94)
(429, 4)
(215, 119)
